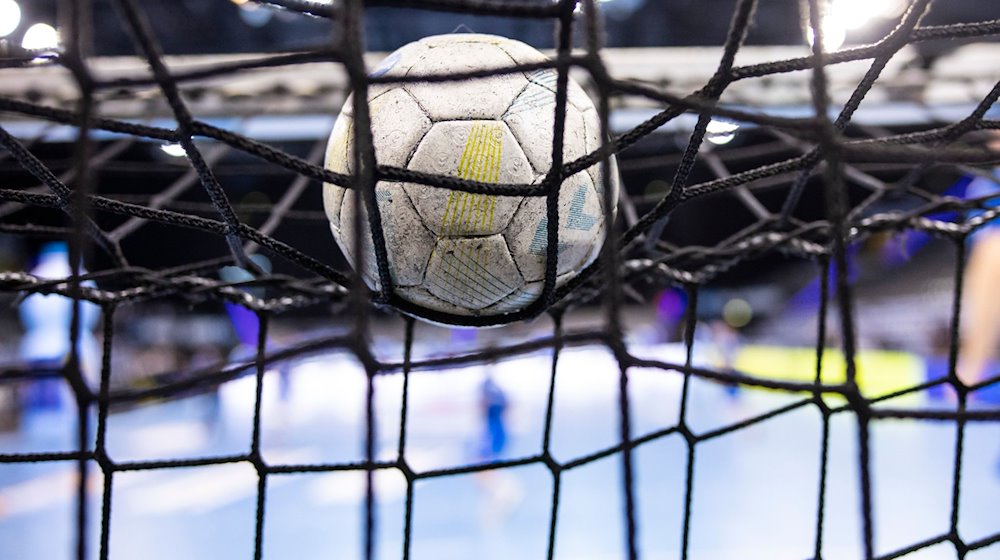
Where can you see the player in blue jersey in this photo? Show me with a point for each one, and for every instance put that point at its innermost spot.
(981, 308)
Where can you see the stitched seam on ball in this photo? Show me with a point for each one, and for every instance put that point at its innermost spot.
(524, 279)
(515, 61)
(423, 273)
(520, 205)
(514, 99)
(447, 306)
(406, 88)
(413, 149)
(518, 140)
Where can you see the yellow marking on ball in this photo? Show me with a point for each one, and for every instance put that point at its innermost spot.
(466, 212)
(480, 161)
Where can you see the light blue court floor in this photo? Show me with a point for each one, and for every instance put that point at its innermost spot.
(755, 489)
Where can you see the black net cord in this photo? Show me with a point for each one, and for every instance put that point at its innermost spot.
(612, 298)
(835, 195)
(100, 446)
(894, 41)
(960, 391)
(63, 196)
(146, 43)
(553, 466)
(564, 45)
(690, 325)
(351, 43)
(738, 27)
(628, 475)
(256, 458)
(289, 198)
(78, 30)
(369, 438)
(824, 297)
(403, 423)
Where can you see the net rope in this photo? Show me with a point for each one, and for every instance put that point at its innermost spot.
(635, 254)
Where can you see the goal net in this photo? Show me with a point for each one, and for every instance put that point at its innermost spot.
(852, 147)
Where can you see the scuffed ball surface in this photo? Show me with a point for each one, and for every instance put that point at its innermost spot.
(456, 252)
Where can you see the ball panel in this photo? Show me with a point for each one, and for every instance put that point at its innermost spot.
(396, 64)
(524, 296)
(472, 273)
(483, 98)
(338, 159)
(407, 241)
(398, 124)
(347, 248)
(374, 92)
(531, 118)
(547, 78)
(592, 138)
(483, 151)
(520, 52)
(581, 228)
(420, 296)
(451, 39)
(575, 96)
(333, 199)
(338, 147)
(346, 241)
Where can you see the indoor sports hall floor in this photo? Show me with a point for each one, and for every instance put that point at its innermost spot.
(755, 489)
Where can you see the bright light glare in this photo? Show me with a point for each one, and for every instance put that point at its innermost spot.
(834, 32)
(40, 37)
(174, 150)
(720, 132)
(10, 17)
(843, 15)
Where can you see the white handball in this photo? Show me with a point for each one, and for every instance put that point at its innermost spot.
(451, 251)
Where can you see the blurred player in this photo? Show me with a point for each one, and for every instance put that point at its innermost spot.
(981, 308)
(47, 320)
(727, 342)
(501, 491)
(493, 403)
